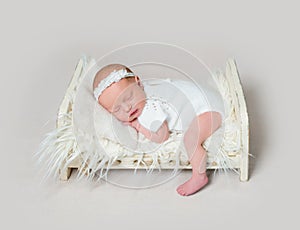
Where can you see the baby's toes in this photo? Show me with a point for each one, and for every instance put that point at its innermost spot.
(180, 190)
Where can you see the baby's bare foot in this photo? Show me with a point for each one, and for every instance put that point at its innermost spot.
(193, 185)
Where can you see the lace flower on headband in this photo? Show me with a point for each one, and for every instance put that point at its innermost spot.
(114, 76)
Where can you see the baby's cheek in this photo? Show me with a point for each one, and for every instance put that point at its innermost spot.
(123, 117)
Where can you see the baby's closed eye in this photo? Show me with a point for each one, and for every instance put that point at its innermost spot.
(116, 109)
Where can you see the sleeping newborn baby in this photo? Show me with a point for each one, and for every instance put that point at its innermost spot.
(121, 93)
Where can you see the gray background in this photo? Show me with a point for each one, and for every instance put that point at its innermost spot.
(40, 45)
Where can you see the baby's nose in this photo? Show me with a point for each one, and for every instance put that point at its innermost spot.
(127, 107)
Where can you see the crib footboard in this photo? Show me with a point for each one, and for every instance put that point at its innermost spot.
(241, 115)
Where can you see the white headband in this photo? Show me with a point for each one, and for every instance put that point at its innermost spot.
(114, 76)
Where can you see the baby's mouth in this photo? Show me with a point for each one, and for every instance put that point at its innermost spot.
(134, 112)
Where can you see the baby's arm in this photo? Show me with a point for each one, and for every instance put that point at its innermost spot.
(161, 135)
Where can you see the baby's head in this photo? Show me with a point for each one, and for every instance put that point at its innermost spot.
(119, 91)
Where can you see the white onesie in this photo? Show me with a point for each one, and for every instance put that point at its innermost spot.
(178, 102)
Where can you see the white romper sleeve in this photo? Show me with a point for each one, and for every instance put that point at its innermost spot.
(152, 116)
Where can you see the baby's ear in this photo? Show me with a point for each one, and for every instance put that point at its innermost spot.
(137, 79)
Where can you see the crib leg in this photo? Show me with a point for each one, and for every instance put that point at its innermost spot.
(65, 174)
(244, 167)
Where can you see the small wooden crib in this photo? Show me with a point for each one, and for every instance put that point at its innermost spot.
(59, 150)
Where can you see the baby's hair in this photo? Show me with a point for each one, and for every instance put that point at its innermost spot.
(106, 70)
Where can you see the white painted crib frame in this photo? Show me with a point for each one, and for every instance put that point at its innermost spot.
(239, 158)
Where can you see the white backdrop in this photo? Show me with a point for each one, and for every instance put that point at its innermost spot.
(41, 43)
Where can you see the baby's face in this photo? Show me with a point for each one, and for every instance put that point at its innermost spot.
(125, 100)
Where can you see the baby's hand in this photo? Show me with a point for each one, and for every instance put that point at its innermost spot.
(133, 123)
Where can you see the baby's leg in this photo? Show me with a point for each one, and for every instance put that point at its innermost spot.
(200, 129)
